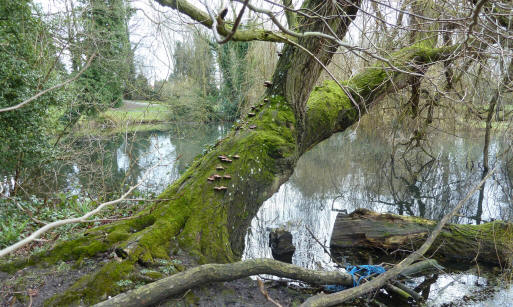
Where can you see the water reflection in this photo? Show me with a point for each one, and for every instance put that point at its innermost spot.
(99, 167)
(161, 157)
(366, 170)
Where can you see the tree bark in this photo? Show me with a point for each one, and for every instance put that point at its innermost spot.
(363, 233)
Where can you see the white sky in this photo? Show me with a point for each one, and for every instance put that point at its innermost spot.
(151, 56)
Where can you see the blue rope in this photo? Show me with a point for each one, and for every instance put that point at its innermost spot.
(364, 271)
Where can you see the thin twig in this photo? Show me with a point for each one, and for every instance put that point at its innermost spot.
(261, 286)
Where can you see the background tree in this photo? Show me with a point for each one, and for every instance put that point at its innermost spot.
(27, 66)
(105, 32)
(233, 63)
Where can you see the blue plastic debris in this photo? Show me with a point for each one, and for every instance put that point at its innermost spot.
(334, 288)
(364, 271)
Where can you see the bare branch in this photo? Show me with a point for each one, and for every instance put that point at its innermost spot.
(36, 234)
(220, 19)
(184, 7)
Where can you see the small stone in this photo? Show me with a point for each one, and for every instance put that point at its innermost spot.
(261, 105)
(268, 83)
(227, 160)
(221, 157)
(266, 100)
(252, 127)
(236, 156)
(253, 107)
(220, 188)
(280, 242)
(219, 168)
(280, 54)
(251, 114)
(216, 177)
(227, 177)
(211, 178)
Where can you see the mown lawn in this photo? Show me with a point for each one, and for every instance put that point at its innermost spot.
(137, 112)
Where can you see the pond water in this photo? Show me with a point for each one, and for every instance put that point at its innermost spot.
(355, 169)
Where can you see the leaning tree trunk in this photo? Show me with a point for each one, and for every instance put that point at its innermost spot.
(208, 219)
(364, 234)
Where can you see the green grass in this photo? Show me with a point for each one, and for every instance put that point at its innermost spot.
(128, 118)
(145, 114)
(132, 113)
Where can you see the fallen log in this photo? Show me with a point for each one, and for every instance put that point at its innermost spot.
(364, 234)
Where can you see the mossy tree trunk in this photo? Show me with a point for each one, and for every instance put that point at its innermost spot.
(209, 225)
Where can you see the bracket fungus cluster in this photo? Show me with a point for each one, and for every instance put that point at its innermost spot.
(217, 177)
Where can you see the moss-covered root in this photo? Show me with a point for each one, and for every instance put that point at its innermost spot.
(95, 287)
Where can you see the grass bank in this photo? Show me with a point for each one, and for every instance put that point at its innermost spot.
(132, 116)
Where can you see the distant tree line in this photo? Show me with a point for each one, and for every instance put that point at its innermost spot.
(208, 80)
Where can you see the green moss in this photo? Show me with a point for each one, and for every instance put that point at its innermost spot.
(11, 266)
(152, 274)
(89, 250)
(116, 236)
(497, 231)
(141, 222)
(328, 110)
(96, 287)
(72, 250)
(367, 84)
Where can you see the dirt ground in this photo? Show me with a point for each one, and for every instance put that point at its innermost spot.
(33, 285)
